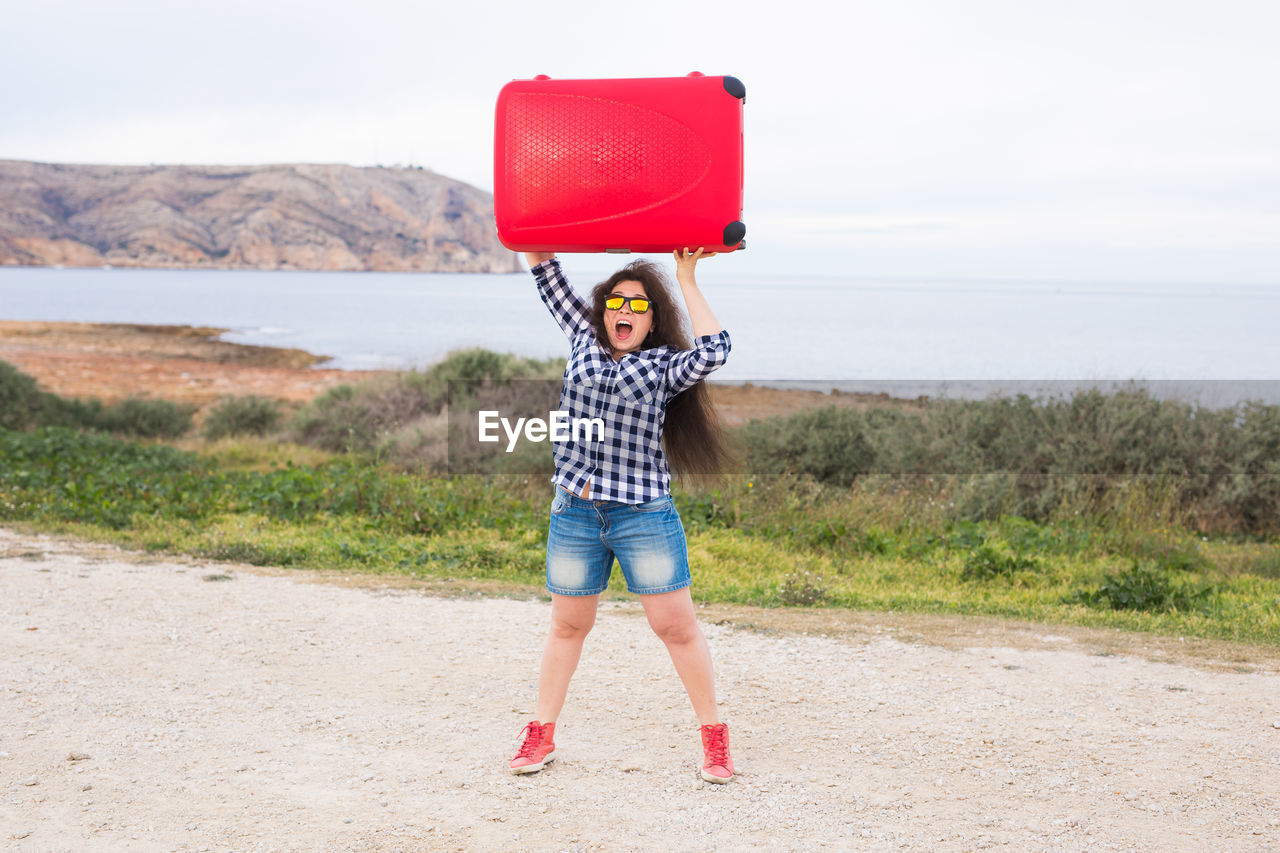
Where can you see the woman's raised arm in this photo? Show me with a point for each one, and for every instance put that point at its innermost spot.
(711, 342)
(565, 305)
(700, 316)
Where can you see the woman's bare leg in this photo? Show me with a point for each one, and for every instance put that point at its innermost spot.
(571, 619)
(672, 618)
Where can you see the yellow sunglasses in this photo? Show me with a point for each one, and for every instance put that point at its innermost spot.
(638, 305)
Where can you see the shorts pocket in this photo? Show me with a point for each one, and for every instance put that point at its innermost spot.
(560, 502)
(661, 504)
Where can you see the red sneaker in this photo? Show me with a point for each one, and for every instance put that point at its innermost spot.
(717, 766)
(538, 749)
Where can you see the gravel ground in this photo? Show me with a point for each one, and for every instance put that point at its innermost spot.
(150, 706)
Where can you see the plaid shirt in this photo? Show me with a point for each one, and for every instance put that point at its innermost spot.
(630, 395)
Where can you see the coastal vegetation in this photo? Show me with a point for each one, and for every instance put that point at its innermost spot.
(1105, 510)
(24, 406)
(244, 415)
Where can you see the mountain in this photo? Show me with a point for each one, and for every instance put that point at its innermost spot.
(299, 217)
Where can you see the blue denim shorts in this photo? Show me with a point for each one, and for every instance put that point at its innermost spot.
(586, 535)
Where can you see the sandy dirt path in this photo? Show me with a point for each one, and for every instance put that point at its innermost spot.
(150, 706)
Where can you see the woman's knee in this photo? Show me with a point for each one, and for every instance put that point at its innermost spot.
(573, 619)
(677, 631)
(569, 629)
(672, 617)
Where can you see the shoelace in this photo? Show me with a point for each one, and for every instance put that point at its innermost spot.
(533, 741)
(716, 749)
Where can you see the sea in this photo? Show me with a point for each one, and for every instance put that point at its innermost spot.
(1215, 344)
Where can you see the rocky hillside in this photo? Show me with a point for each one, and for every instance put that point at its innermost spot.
(300, 217)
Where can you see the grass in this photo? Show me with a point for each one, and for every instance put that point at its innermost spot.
(784, 541)
(1121, 512)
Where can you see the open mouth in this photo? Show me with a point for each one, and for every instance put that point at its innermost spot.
(623, 330)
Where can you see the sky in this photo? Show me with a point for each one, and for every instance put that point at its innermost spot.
(914, 139)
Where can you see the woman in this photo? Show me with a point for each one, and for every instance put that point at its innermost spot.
(632, 366)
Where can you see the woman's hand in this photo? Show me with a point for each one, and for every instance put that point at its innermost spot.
(686, 262)
(535, 258)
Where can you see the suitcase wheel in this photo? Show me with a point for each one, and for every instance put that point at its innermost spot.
(734, 232)
(735, 87)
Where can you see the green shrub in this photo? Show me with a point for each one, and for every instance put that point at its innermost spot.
(827, 533)
(987, 561)
(1145, 587)
(420, 445)
(965, 534)
(142, 418)
(23, 406)
(241, 416)
(398, 412)
(1248, 489)
(353, 418)
(21, 403)
(480, 365)
(1093, 453)
(703, 510)
(875, 541)
(828, 444)
(1177, 556)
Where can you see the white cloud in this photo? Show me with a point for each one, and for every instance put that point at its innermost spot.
(991, 135)
(382, 133)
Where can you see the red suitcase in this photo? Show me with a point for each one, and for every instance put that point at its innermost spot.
(638, 165)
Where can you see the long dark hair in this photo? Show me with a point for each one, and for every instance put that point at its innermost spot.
(693, 438)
